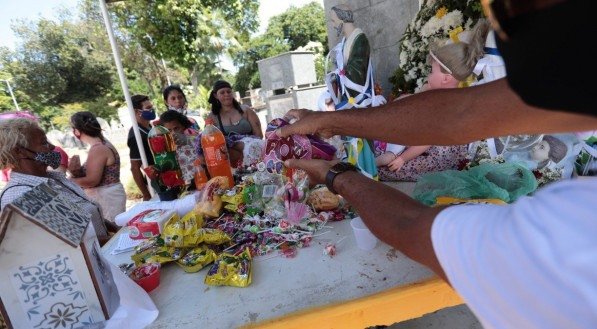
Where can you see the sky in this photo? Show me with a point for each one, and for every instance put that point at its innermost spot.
(33, 9)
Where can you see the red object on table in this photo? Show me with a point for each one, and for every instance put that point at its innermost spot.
(147, 276)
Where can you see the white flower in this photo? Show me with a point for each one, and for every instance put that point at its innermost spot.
(452, 20)
(403, 57)
(431, 27)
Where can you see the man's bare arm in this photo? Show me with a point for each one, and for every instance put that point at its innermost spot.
(443, 117)
(391, 215)
(139, 179)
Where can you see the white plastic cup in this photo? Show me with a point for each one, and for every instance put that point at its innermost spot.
(365, 239)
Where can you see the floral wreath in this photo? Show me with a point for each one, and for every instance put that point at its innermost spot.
(436, 22)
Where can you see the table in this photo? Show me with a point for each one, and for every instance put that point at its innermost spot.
(353, 289)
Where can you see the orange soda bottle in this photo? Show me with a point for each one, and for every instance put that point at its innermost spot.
(200, 175)
(216, 152)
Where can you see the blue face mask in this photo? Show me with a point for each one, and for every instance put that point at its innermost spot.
(148, 114)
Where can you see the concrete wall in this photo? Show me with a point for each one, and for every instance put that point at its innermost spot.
(384, 22)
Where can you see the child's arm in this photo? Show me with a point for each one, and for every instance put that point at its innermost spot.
(384, 159)
(410, 153)
(392, 151)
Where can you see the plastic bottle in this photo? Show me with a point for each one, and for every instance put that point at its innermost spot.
(216, 152)
(200, 175)
(163, 148)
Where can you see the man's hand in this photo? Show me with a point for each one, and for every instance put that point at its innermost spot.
(307, 122)
(315, 169)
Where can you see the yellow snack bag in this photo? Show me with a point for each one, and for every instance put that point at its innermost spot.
(233, 198)
(208, 236)
(230, 270)
(174, 231)
(154, 251)
(196, 259)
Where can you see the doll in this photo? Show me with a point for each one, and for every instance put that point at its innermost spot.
(450, 65)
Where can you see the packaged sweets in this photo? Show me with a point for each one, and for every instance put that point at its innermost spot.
(154, 251)
(321, 199)
(149, 223)
(230, 270)
(177, 231)
(197, 259)
(208, 236)
(210, 201)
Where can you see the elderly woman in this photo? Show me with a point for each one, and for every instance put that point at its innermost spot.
(25, 149)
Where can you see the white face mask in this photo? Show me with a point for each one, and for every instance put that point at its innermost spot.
(179, 110)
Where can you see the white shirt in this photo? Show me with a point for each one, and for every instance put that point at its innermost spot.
(532, 264)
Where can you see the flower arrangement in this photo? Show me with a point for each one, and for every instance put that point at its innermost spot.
(437, 22)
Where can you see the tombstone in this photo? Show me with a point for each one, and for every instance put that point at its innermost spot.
(291, 78)
(51, 266)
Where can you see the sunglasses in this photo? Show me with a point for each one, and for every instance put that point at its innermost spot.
(499, 12)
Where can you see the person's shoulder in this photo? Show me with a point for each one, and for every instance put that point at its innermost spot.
(247, 109)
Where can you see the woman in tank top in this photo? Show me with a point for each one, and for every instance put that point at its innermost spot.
(236, 121)
(99, 176)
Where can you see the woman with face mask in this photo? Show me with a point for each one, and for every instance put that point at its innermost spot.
(99, 176)
(25, 149)
(176, 100)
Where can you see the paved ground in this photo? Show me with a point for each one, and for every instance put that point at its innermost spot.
(456, 317)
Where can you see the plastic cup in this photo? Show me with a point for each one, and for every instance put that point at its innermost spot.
(365, 239)
(147, 276)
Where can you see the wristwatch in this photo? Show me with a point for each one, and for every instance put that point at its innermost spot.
(336, 170)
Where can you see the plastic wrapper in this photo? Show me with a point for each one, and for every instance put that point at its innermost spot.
(210, 201)
(230, 270)
(261, 187)
(208, 236)
(504, 181)
(150, 223)
(178, 231)
(196, 259)
(322, 199)
(154, 251)
(233, 198)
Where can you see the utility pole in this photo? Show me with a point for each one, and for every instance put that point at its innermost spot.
(12, 95)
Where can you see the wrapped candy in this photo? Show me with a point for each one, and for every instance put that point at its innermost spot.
(321, 199)
(154, 251)
(208, 236)
(197, 259)
(210, 201)
(230, 270)
(179, 232)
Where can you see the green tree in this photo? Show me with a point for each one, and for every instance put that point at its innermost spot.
(192, 34)
(53, 65)
(296, 27)
(300, 25)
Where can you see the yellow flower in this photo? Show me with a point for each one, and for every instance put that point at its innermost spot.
(454, 34)
(467, 82)
(351, 100)
(441, 12)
